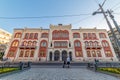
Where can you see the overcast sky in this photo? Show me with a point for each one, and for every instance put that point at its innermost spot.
(40, 8)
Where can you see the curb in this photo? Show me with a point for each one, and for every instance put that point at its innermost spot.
(108, 73)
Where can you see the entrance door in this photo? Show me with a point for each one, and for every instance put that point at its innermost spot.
(64, 55)
(56, 56)
(50, 56)
(70, 55)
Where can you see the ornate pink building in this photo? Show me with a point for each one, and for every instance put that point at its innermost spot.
(58, 42)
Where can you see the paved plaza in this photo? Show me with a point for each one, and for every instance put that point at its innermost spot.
(58, 74)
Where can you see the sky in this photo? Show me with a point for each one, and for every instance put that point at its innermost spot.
(40, 8)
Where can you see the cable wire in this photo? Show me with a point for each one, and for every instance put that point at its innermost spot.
(115, 5)
(82, 19)
(43, 16)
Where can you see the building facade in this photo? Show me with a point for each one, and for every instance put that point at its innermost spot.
(113, 41)
(58, 42)
(4, 39)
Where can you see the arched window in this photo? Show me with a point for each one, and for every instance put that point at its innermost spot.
(108, 53)
(105, 43)
(90, 43)
(24, 43)
(34, 43)
(86, 43)
(93, 53)
(99, 53)
(15, 43)
(95, 44)
(30, 43)
(43, 44)
(77, 44)
(51, 44)
(18, 35)
(69, 44)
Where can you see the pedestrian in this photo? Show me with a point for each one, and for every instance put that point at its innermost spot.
(64, 63)
(68, 61)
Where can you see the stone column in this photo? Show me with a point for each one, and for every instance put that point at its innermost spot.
(68, 54)
(52, 56)
(60, 56)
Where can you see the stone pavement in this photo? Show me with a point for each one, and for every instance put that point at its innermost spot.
(58, 74)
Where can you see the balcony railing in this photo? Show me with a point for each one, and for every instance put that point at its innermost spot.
(93, 47)
(27, 47)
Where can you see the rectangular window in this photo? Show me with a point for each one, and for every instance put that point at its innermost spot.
(31, 36)
(42, 54)
(99, 54)
(36, 36)
(60, 44)
(88, 54)
(102, 35)
(93, 54)
(94, 35)
(76, 35)
(11, 54)
(26, 53)
(21, 53)
(32, 54)
(44, 35)
(89, 36)
(85, 35)
(108, 54)
(26, 35)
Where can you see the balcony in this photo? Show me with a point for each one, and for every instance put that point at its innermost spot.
(27, 47)
(93, 47)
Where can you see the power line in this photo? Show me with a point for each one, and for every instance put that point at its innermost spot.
(100, 21)
(43, 16)
(96, 1)
(116, 8)
(115, 5)
(117, 13)
(82, 19)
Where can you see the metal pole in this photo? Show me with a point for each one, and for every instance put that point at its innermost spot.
(110, 26)
(115, 23)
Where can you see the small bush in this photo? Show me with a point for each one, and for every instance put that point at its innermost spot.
(5, 70)
(112, 70)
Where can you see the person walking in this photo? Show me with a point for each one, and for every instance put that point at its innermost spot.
(64, 63)
(68, 61)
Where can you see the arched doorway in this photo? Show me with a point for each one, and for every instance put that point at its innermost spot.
(64, 55)
(56, 56)
(50, 56)
(70, 55)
